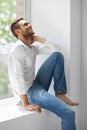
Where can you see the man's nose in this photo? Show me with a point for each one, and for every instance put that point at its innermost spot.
(29, 25)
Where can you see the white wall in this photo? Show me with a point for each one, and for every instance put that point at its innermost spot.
(83, 88)
(75, 55)
(51, 19)
(75, 48)
(79, 59)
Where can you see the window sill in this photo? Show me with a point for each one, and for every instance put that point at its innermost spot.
(14, 117)
(9, 110)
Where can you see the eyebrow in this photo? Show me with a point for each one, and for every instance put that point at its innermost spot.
(26, 23)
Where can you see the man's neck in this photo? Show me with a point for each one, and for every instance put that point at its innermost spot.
(27, 41)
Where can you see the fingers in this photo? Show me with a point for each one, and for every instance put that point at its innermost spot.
(36, 108)
(33, 108)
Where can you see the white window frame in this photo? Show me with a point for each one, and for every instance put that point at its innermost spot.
(27, 6)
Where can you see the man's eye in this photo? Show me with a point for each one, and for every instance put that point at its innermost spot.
(25, 24)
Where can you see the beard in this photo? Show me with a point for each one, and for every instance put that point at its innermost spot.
(28, 35)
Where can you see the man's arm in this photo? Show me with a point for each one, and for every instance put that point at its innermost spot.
(38, 39)
(48, 47)
(28, 106)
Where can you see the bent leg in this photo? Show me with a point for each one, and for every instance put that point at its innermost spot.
(53, 67)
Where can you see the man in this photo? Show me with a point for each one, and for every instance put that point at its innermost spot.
(33, 91)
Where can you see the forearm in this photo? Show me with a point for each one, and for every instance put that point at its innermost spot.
(39, 39)
(24, 100)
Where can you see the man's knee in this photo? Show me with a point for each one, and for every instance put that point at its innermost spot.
(59, 55)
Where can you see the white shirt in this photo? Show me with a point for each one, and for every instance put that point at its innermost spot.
(21, 64)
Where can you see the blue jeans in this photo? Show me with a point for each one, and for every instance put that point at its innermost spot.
(38, 94)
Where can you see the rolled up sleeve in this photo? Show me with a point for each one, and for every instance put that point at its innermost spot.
(49, 47)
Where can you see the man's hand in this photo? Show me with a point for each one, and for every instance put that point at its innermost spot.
(38, 39)
(28, 106)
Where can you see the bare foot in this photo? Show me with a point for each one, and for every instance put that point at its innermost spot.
(67, 100)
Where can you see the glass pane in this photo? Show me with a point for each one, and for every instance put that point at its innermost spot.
(7, 14)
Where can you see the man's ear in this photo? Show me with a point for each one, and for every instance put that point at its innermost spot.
(17, 31)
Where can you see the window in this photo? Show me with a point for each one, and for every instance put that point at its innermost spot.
(8, 12)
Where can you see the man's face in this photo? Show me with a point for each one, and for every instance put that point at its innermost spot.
(26, 28)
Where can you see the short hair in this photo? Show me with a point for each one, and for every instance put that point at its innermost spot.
(15, 25)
